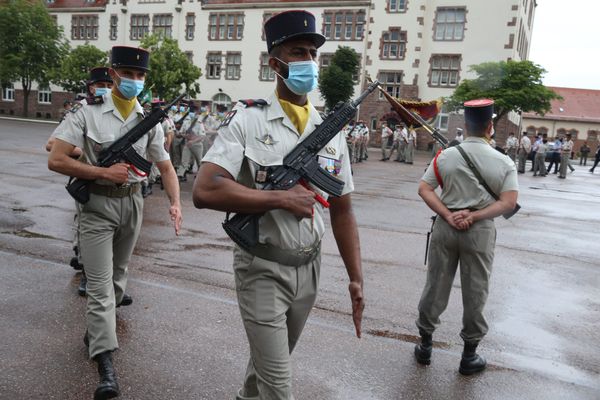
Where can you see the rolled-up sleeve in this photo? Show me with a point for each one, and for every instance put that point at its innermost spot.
(72, 129)
(228, 149)
(346, 170)
(156, 145)
(429, 177)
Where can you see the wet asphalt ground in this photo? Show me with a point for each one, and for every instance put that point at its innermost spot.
(183, 339)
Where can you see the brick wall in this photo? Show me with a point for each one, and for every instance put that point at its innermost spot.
(36, 110)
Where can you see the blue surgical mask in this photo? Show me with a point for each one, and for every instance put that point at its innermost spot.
(303, 76)
(130, 88)
(203, 109)
(181, 109)
(192, 114)
(101, 91)
(173, 108)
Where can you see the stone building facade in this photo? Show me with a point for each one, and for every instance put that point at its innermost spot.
(419, 49)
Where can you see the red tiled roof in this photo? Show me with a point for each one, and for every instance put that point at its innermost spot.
(76, 4)
(576, 105)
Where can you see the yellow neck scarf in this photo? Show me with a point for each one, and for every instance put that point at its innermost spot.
(124, 106)
(297, 114)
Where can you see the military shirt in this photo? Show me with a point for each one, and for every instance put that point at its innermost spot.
(525, 144)
(253, 138)
(461, 187)
(197, 129)
(94, 127)
(567, 146)
(511, 142)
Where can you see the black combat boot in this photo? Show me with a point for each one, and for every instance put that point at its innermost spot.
(127, 301)
(108, 388)
(423, 349)
(471, 362)
(82, 289)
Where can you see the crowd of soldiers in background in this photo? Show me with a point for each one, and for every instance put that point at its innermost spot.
(399, 139)
(189, 132)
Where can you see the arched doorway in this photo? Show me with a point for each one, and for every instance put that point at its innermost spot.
(221, 102)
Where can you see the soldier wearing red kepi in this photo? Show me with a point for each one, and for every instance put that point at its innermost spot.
(464, 231)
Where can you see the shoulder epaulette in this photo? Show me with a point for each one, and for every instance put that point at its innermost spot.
(94, 100)
(254, 102)
(76, 107)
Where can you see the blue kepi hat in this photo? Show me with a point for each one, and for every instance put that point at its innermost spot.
(293, 24)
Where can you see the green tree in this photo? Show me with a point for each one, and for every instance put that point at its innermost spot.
(336, 82)
(74, 70)
(514, 86)
(31, 45)
(170, 69)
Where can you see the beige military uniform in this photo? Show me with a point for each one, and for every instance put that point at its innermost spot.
(193, 151)
(473, 248)
(274, 299)
(565, 154)
(110, 221)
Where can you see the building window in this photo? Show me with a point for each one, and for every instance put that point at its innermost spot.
(114, 21)
(84, 27)
(450, 24)
(266, 73)
(390, 81)
(226, 26)
(190, 26)
(442, 120)
(140, 26)
(324, 61)
(221, 102)
(233, 65)
(395, 6)
(393, 44)
(162, 24)
(8, 92)
(190, 56)
(266, 16)
(444, 70)
(344, 25)
(44, 95)
(213, 65)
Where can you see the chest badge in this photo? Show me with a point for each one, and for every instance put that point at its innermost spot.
(267, 139)
(330, 150)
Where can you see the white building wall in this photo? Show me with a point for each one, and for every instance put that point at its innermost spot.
(487, 31)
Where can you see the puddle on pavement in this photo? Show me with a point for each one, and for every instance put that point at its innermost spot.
(211, 246)
(404, 337)
(28, 234)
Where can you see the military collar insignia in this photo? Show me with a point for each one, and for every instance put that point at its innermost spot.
(330, 150)
(267, 139)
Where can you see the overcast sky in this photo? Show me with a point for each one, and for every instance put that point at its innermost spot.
(566, 42)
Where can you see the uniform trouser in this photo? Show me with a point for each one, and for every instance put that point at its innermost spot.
(409, 153)
(363, 150)
(596, 161)
(177, 146)
(583, 159)
(274, 302)
(401, 156)
(474, 249)
(522, 160)
(564, 164)
(192, 153)
(350, 151)
(384, 143)
(109, 228)
(512, 153)
(539, 164)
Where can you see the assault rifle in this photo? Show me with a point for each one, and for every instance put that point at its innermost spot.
(300, 164)
(180, 120)
(122, 151)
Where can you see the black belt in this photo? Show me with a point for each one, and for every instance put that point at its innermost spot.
(114, 191)
(462, 209)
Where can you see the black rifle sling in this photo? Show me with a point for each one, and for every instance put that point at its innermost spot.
(482, 181)
(476, 173)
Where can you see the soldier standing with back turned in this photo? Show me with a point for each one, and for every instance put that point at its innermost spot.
(464, 231)
(110, 221)
(277, 280)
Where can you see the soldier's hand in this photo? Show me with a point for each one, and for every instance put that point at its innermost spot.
(300, 201)
(358, 305)
(176, 217)
(117, 173)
